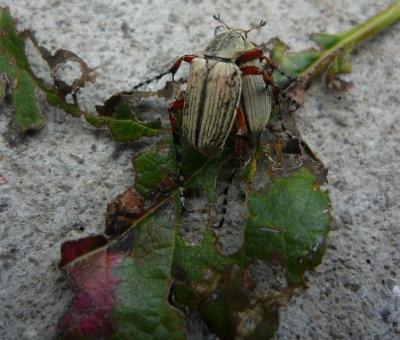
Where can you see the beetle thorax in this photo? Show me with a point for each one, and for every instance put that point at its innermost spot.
(228, 45)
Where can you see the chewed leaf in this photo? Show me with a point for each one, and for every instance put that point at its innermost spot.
(155, 242)
(24, 85)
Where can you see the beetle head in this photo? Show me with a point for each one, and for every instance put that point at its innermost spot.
(231, 42)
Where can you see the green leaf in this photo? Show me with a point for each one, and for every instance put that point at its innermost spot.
(292, 63)
(11, 45)
(122, 122)
(124, 130)
(141, 308)
(289, 223)
(153, 167)
(14, 65)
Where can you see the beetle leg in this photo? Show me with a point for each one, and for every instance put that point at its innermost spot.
(174, 106)
(187, 57)
(241, 130)
(258, 53)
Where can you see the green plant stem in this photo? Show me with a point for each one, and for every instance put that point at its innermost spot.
(354, 36)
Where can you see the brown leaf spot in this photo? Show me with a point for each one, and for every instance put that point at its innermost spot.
(122, 210)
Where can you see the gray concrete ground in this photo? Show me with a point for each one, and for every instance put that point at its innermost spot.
(60, 179)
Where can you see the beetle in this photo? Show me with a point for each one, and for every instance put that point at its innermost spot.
(231, 82)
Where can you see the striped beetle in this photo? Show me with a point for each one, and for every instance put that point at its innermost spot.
(233, 81)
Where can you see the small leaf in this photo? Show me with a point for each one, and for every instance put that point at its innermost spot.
(122, 122)
(289, 62)
(125, 130)
(333, 55)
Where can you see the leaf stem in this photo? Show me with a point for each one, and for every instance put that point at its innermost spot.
(354, 36)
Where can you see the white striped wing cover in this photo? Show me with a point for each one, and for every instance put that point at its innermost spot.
(211, 100)
(256, 100)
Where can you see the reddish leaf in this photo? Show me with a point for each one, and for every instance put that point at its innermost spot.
(71, 250)
(89, 315)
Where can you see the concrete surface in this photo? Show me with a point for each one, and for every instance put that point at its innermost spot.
(60, 179)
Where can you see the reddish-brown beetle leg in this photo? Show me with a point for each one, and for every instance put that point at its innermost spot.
(254, 54)
(174, 106)
(187, 58)
(241, 130)
(269, 62)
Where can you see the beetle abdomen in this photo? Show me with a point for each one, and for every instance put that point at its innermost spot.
(256, 100)
(212, 96)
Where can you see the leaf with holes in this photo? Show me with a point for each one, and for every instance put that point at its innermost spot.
(23, 86)
(163, 261)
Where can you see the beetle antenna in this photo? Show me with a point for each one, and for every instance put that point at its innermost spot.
(217, 29)
(261, 24)
(218, 18)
